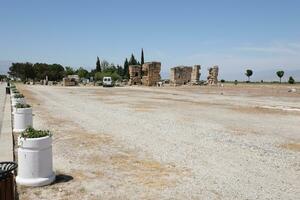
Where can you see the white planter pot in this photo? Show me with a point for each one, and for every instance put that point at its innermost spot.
(22, 119)
(15, 101)
(35, 166)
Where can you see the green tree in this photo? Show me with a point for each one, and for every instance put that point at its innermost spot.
(132, 60)
(280, 74)
(24, 71)
(120, 70)
(291, 80)
(55, 72)
(142, 57)
(126, 69)
(249, 73)
(2, 77)
(41, 70)
(98, 66)
(82, 73)
(69, 71)
(104, 65)
(98, 76)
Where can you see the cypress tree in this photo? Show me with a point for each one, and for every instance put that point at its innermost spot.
(126, 69)
(132, 60)
(98, 67)
(142, 57)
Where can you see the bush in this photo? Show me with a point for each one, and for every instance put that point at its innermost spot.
(19, 105)
(17, 96)
(222, 81)
(261, 81)
(235, 82)
(32, 133)
(291, 80)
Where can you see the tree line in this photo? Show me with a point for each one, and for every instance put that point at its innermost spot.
(55, 72)
(280, 74)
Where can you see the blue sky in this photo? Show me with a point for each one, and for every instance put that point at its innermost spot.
(234, 34)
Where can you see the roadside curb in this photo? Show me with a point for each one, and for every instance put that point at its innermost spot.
(6, 137)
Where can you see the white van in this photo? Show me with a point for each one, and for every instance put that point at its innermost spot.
(107, 82)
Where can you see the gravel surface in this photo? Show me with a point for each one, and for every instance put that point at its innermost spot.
(235, 142)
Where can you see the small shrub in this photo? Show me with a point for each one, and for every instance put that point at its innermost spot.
(261, 81)
(235, 82)
(19, 105)
(222, 81)
(17, 96)
(291, 80)
(32, 133)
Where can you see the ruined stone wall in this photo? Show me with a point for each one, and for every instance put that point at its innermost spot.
(181, 75)
(68, 82)
(151, 73)
(135, 75)
(196, 74)
(212, 78)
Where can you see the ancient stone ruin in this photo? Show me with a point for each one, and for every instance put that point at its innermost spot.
(71, 80)
(212, 78)
(183, 75)
(135, 75)
(148, 74)
(196, 74)
(151, 73)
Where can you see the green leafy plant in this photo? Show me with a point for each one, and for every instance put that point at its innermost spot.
(19, 105)
(249, 73)
(291, 80)
(17, 96)
(280, 74)
(33, 133)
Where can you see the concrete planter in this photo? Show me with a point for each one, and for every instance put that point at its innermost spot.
(35, 161)
(22, 119)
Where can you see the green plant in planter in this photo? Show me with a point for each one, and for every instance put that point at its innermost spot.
(19, 105)
(17, 96)
(15, 91)
(32, 133)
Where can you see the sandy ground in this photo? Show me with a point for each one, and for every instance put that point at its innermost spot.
(235, 142)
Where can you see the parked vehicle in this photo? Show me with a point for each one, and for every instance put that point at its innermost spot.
(107, 81)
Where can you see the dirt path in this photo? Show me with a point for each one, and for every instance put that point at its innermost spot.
(141, 143)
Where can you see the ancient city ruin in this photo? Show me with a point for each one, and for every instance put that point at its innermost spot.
(148, 74)
(183, 75)
(212, 78)
(70, 80)
(135, 75)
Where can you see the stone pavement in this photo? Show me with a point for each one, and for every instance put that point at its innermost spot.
(6, 140)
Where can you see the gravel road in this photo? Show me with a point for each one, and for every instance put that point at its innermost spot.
(238, 142)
